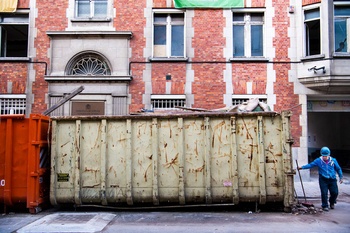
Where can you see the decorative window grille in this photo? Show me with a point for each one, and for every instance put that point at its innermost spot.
(168, 101)
(239, 99)
(88, 65)
(15, 104)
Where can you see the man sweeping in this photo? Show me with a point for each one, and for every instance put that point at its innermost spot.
(327, 169)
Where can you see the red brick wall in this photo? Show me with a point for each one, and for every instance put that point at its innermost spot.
(128, 19)
(15, 73)
(208, 43)
(178, 78)
(23, 4)
(248, 72)
(258, 3)
(308, 2)
(51, 19)
(284, 90)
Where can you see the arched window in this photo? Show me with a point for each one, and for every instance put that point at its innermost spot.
(88, 64)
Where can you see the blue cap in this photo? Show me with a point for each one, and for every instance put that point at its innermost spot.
(325, 151)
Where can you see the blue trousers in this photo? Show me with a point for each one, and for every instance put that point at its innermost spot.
(325, 185)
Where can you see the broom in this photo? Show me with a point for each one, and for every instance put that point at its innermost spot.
(306, 204)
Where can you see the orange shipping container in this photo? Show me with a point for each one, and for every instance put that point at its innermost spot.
(24, 161)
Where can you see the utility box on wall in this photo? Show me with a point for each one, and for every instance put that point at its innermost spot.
(24, 161)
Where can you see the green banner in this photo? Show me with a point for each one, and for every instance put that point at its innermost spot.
(208, 3)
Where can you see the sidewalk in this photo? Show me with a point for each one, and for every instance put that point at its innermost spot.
(312, 189)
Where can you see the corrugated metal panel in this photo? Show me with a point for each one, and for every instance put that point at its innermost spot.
(24, 161)
(184, 159)
(59, 111)
(120, 106)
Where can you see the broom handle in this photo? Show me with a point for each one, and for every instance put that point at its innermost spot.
(301, 181)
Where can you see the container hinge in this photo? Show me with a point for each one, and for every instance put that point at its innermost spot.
(34, 174)
(292, 173)
(290, 140)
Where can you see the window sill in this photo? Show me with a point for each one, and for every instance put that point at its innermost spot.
(249, 59)
(313, 57)
(341, 55)
(70, 78)
(168, 59)
(15, 59)
(84, 20)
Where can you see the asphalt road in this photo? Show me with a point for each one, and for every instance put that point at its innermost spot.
(247, 218)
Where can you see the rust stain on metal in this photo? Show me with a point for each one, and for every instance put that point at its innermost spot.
(172, 162)
(64, 144)
(144, 170)
(196, 170)
(145, 174)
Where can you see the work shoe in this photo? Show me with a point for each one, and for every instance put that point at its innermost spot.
(325, 209)
(332, 206)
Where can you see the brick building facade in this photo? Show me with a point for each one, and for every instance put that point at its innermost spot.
(284, 52)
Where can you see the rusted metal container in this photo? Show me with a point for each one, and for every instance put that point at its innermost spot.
(165, 159)
(24, 161)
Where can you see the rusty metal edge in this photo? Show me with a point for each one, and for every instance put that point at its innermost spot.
(166, 116)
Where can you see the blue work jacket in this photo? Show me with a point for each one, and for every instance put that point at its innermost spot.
(327, 170)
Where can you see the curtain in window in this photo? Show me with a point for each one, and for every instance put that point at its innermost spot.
(8, 5)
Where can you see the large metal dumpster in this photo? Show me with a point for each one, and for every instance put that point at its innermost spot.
(166, 159)
(24, 161)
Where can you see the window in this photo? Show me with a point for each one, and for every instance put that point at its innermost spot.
(341, 25)
(88, 65)
(14, 35)
(312, 32)
(12, 104)
(91, 8)
(239, 99)
(168, 37)
(168, 101)
(248, 34)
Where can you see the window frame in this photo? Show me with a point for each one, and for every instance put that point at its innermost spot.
(168, 34)
(306, 40)
(347, 18)
(88, 55)
(6, 20)
(239, 99)
(247, 30)
(18, 100)
(167, 97)
(92, 14)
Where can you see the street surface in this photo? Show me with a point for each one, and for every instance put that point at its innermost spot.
(247, 218)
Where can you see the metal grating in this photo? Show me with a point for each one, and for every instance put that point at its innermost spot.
(120, 105)
(240, 101)
(12, 106)
(167, 103)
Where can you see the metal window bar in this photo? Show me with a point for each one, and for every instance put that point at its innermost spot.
(167, 103)
(120, 106)
(12, 106)
(240, 101)
(59, 111)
